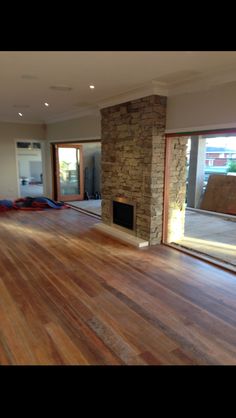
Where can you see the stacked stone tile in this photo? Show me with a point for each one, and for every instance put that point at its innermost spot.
(177, 189)
(133, 147)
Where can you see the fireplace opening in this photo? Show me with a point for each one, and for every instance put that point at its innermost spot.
(123, 214)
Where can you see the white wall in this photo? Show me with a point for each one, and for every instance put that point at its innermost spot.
(9, 133)
(214, 108)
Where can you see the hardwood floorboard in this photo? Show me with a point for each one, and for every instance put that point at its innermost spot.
(71, 295)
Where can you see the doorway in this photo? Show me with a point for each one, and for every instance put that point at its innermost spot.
(89, 182)
(30, 168)
(69, 172)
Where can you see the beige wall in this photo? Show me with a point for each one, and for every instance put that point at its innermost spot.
(9, 133)
(210, 109)
(83, 127)
(79, 129)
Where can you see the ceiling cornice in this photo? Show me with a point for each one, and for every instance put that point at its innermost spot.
(148, 89)
(194, 84)
(22, 122)
(230, 125)
(89, 110)
(202, 83)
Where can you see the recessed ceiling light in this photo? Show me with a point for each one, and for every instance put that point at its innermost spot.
(92, 87)
(20, 114)
(46, 104)
(61, 88)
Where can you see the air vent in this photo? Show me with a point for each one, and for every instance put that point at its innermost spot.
(178, 76)
(61, 88)
(21, 106)
(82, 104)
(29, 77)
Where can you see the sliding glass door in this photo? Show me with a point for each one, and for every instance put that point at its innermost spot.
(69, 172)
(200, 202)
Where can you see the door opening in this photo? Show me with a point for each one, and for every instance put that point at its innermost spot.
(200, 202)
(88, 185)
(69, 172)
(30, 169)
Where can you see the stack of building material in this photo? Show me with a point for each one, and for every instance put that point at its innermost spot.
(220, 194)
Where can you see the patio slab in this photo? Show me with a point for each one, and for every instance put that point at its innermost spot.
(210, 235)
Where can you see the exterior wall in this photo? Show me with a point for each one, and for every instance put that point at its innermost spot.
(220, 162)
(133, 145)
(217, 160)
(177, 189)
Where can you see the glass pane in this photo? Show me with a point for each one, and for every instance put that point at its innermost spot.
(201, 214)
(69, 171)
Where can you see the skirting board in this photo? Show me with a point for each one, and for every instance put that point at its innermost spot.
(122, 236)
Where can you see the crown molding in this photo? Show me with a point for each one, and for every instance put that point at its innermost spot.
(154, 87)
(198, 83)
(90, 110)
(23, 122)
(203, 83)
(213, 127)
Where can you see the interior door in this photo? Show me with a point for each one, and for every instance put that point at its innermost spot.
(69, 172)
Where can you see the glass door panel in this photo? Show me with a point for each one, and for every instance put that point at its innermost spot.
(69, 172)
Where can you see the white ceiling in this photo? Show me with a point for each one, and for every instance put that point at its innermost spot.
(26, 77)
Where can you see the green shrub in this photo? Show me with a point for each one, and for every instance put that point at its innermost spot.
(231, 167)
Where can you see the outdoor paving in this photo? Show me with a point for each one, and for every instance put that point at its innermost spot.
(211, 235)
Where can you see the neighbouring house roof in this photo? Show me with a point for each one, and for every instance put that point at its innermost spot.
(220, 149)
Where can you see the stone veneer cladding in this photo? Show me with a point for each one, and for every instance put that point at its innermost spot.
(133, 147)
(177, 189)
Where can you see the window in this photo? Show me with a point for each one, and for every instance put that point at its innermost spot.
(30, 145)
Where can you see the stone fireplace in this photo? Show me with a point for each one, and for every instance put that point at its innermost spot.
(133, 147)
(123, 214)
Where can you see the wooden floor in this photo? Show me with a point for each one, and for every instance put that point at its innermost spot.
(70, 295)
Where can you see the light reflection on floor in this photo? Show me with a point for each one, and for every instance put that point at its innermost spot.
(211, 235)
